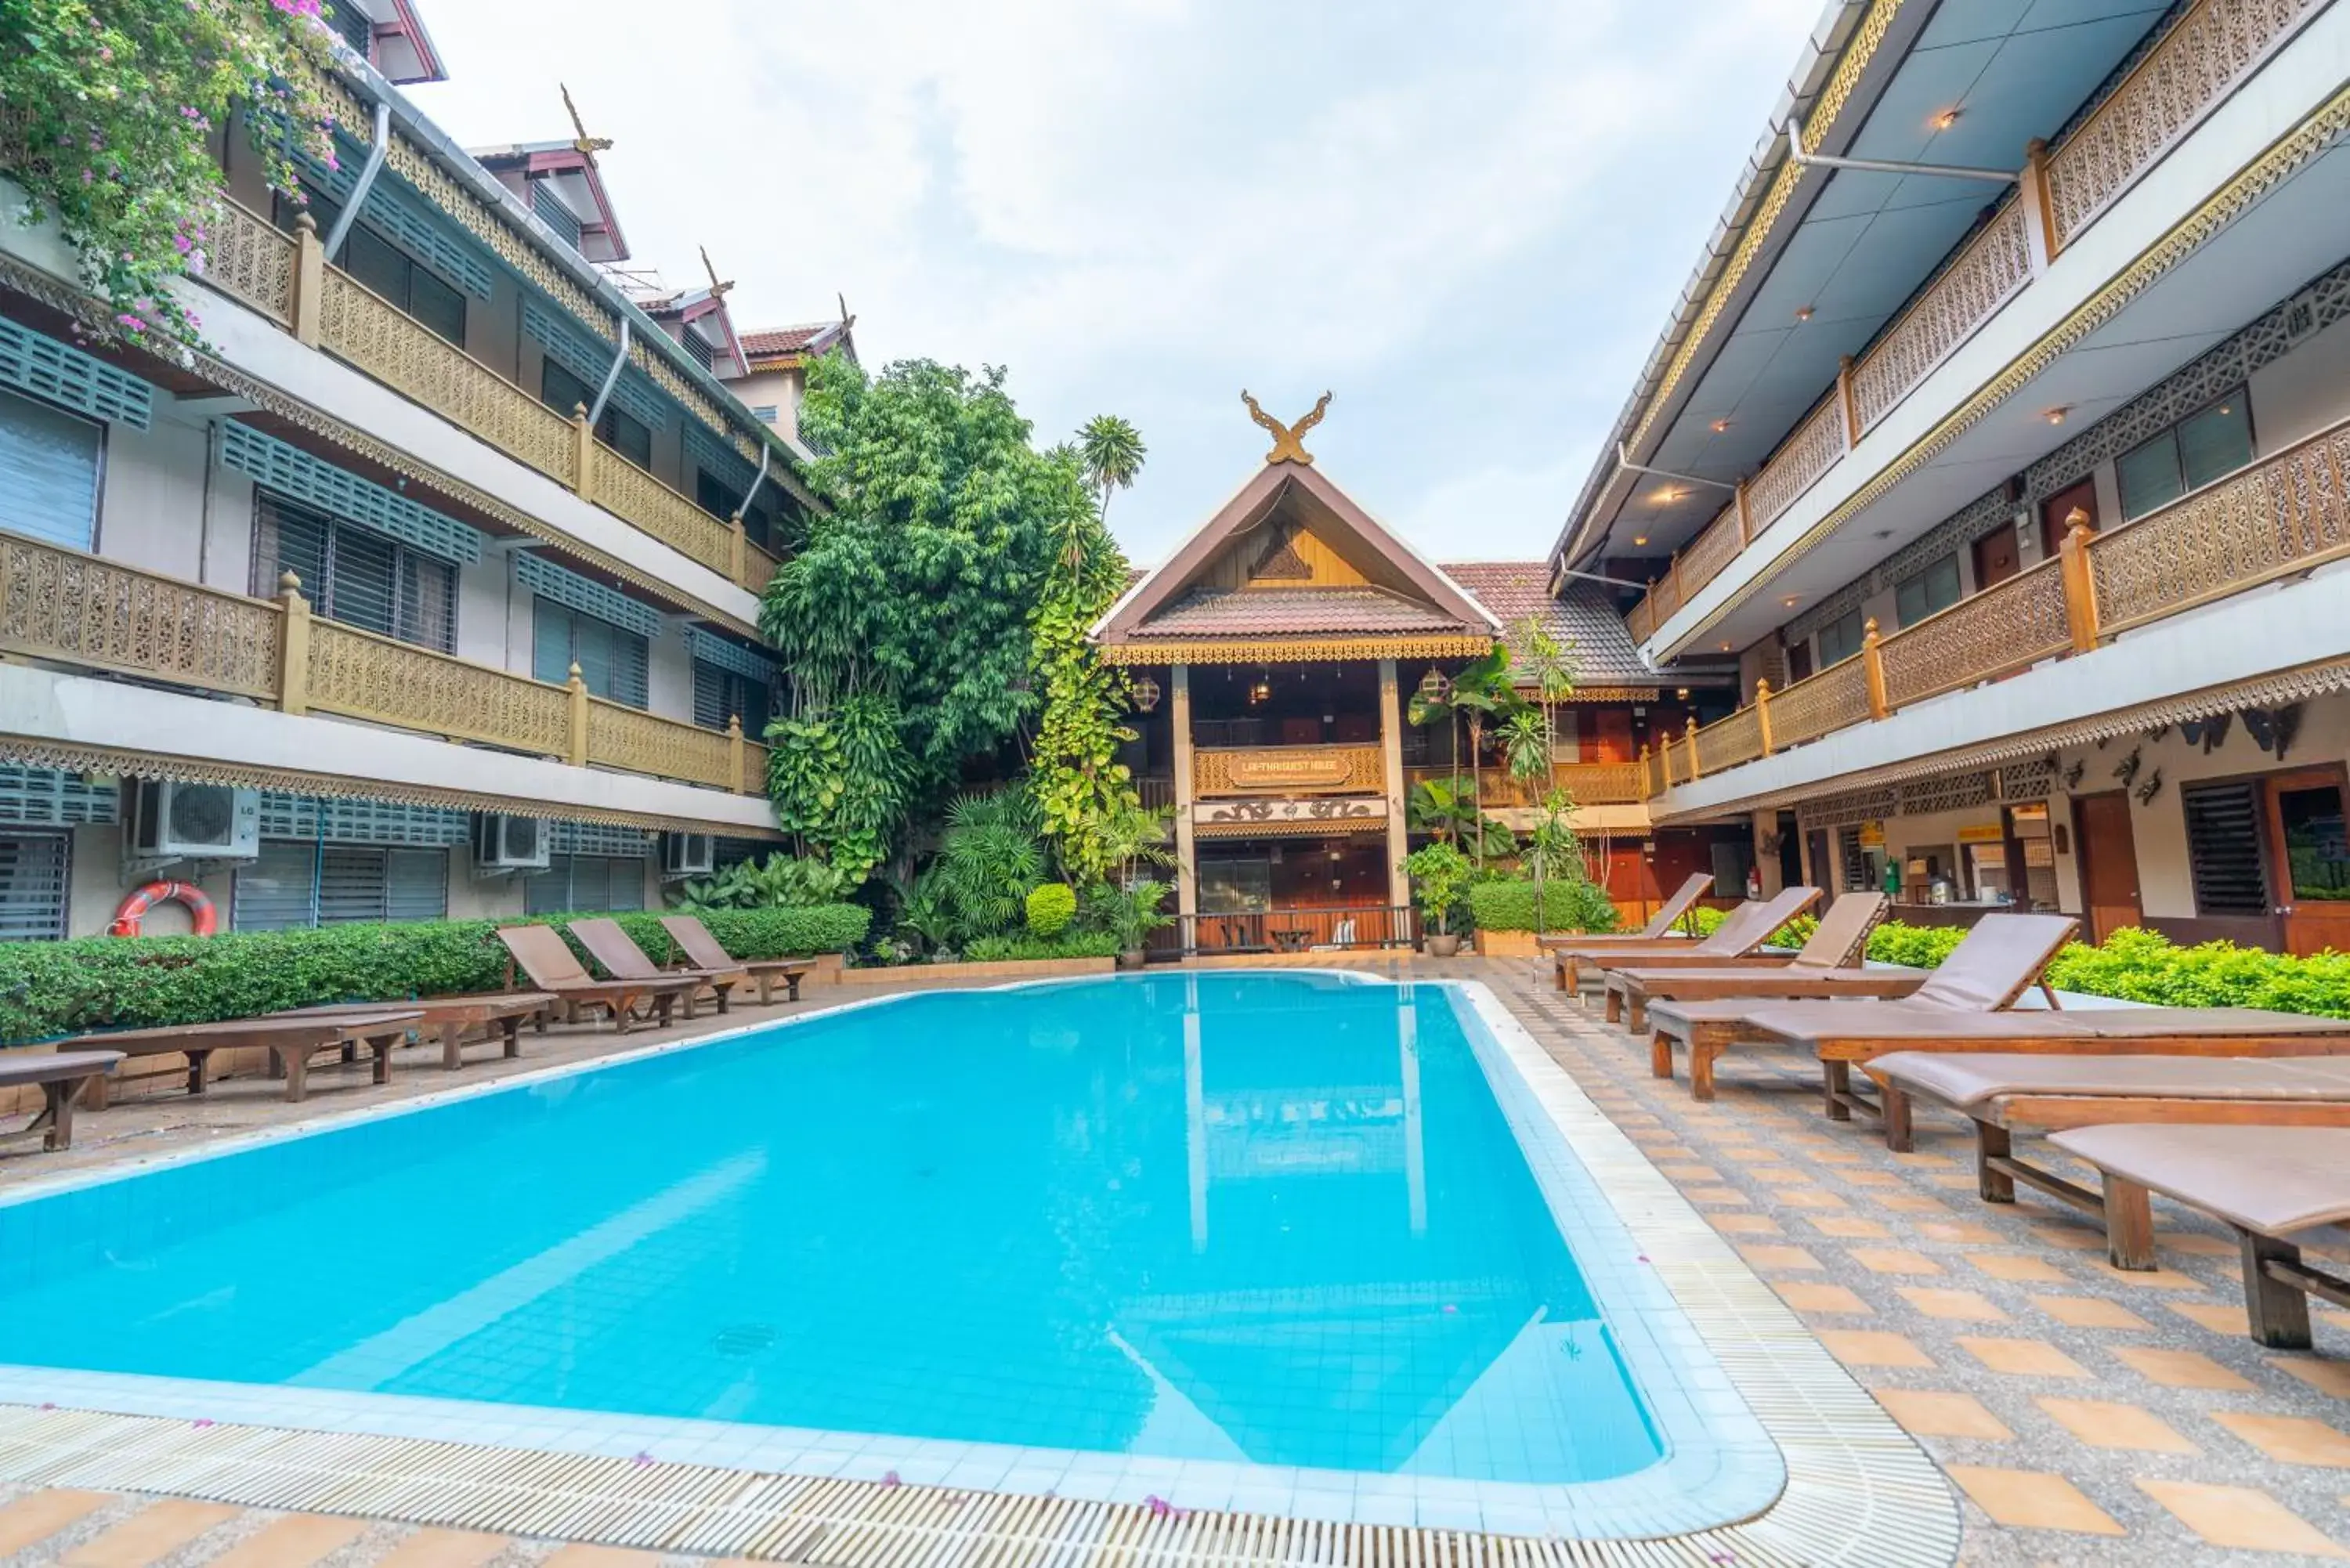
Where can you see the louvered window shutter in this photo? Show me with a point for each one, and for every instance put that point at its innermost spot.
(33, 887)
(416, 884)
(709, 696)
(48, 472)
(2223, 848)
(275, 893)
(350, 885)
(549, 892)
(626, 884)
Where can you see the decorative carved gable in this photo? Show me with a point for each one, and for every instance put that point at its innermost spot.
(1277, 560)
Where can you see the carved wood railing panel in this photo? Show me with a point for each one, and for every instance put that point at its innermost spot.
(378, 338)
(248, 258)
(640, 742)
(1729, 742)
(2284, 514)
(1710, 553)
(1834, 698)
(2003, 629)
(759, 568)
(1278, 770)
(1587, 784)
(1809, 453)
(363, 676)
(623, 488)
(1996, 264)
(2196, 65)
(76, 609)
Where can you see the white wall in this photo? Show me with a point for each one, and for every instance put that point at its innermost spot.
(2304, 391)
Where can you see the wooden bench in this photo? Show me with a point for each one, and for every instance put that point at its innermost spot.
(2268, 1184)
(290, 1042)
(61, 1077)
(501, 1013)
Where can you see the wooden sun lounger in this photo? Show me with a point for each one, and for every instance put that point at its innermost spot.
(1741, 930)
(555, 969)
(1658, 929)
(61, 1075)
(452, 1017)
(2002, 1094)
(1826, 966)
(618, 953)
(2268, 1184)
(703, 950)
(290, 1042)
(1963, 1001)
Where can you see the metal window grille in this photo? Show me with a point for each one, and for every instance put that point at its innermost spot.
(585, 884)
(35, 882)
(2223, 848)
(394, 209)
(71, 379)
(550, 209)
(290, 471)
(711, 648)
(337, 821)
(549, 581)
(44, 797)
(588, 356)
(355, 575)
(598, 838)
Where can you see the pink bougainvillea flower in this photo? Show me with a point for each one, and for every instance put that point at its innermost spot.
(889, 1478)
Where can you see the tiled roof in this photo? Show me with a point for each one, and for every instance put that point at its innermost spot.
(1245, 612)
(770, 340)
(1584, 619)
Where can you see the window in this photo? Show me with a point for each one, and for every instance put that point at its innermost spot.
(2223, 848)
(356, 29)
(719, 694)
(2199, 448)
(613, 662)
(718, 498)
(299, 883)
(581, 883)
(33, 885)
(2317, 846)
(699, 347)
(550, 209)
(1921, 593)
(1840, 639)
(766, 412)
(385, 269)
(354, 574)
(561, 390)
(48, 472)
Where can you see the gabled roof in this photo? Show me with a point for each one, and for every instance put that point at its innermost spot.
(705, 308)
(794, 344)
(560, 162)
(1399, 594)
(1582, 618)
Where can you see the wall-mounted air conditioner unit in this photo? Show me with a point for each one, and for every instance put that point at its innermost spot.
(503, 842)
(688, 853)
(173, 821)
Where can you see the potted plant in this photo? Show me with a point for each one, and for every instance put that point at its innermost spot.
(1132, 914)
(1439, 875)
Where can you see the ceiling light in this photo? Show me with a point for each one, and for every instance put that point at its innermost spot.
(1946, 119)
(1802, 313)
(1725, 648)
(1680, 693)
(2055, 415)
(1667, 497)
(1790, 600)
(1721, 425)
(1639, 539)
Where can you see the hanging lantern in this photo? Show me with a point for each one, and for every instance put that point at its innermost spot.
(1431, 685)
(1146, 695)
(1261, 691)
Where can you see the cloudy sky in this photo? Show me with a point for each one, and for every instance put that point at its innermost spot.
(1468, 221)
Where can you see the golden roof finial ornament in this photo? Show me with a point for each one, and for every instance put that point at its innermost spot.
(717, 290)
(580, 138)
(1287, 440)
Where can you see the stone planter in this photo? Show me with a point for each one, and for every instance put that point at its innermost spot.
(1133, 958)
(1507, 944)
(1442, 946)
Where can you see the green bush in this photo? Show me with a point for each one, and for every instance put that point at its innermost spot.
(1567, 905)
(53, 989)
(1051, 906)
(1067, 945)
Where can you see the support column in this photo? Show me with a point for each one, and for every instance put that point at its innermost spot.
(1766, 866)
(1187, 864)
(1391, 765)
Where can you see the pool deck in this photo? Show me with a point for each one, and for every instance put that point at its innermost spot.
(2083, 1415)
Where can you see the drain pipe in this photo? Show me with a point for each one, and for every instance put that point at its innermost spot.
(613, 376)
(377, 152)
(1625, 463)
(1879, 166)
(753, 493)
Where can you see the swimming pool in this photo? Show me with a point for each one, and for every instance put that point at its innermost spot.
(1218, 1236)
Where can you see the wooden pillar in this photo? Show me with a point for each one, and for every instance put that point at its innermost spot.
(1187, 862)
(1762, 711)
(1845, 401)
(740, 754)
(583, 452)
(2039, 207)
(1761, 825)
(1745, 518)
(575, 751)
(309, 280)
(738, 556)
(1695, 772)
(1872, 666)
(294, 644)
(1391, 765)
(2080, 582)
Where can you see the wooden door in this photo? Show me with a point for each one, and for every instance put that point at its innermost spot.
(1996, 559)
(1799, 661)
(2310, 866)
(2108, 862)
(2061, 505)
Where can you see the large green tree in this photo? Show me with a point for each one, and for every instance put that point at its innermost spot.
(910, 606)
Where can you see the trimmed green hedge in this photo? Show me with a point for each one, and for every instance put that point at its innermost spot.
(2135, 965)
(1021, 945)
(53, 989)
(1567, 905)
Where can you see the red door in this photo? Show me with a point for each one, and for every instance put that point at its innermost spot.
(2056, 513)
(1995, 558)
(2312, 853)
(2108, 862)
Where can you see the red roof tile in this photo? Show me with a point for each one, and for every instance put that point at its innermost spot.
(1246, 612)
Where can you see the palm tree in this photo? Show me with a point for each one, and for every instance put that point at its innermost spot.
(1481, 692)
(1549, 665)
(1112, 451)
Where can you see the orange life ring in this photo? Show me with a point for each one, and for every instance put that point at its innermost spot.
(133, 908)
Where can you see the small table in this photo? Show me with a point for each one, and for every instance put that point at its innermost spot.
(452, 1016)
(1291, 939)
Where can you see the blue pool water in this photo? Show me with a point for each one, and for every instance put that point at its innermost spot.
(1280, 1220)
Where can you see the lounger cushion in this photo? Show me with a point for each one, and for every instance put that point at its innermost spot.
(1913, 1019)
(1969, 1078)
(2274, 1181)
(49, 1067)
(2201, 1022)
(1998, 961)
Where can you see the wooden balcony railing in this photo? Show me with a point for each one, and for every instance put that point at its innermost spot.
(1287, 771)
(2281, 516)
(2202, 58)
(287, 279)
(1586, 783)
(66, 608)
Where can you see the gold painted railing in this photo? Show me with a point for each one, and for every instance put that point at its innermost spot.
(758, 567)
(75, 608)
(1586, 783)
(2281, 516)
(2211, 49)
(252, 260)
(1277, 771)
(2198, 62)
(66, 608)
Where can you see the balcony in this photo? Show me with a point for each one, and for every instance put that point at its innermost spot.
(62, 607)
(2280, 518)
(1586, 783)
(288, 280)
(1288, 771)
(2193, 69)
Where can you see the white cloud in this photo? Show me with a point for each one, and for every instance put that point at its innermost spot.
(1468, 222)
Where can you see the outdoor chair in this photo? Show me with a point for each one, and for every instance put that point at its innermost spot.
(618, 951)
(704, 951)
(1743, 929)
(544, 955)
(1827, 965)
(1658, 929)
